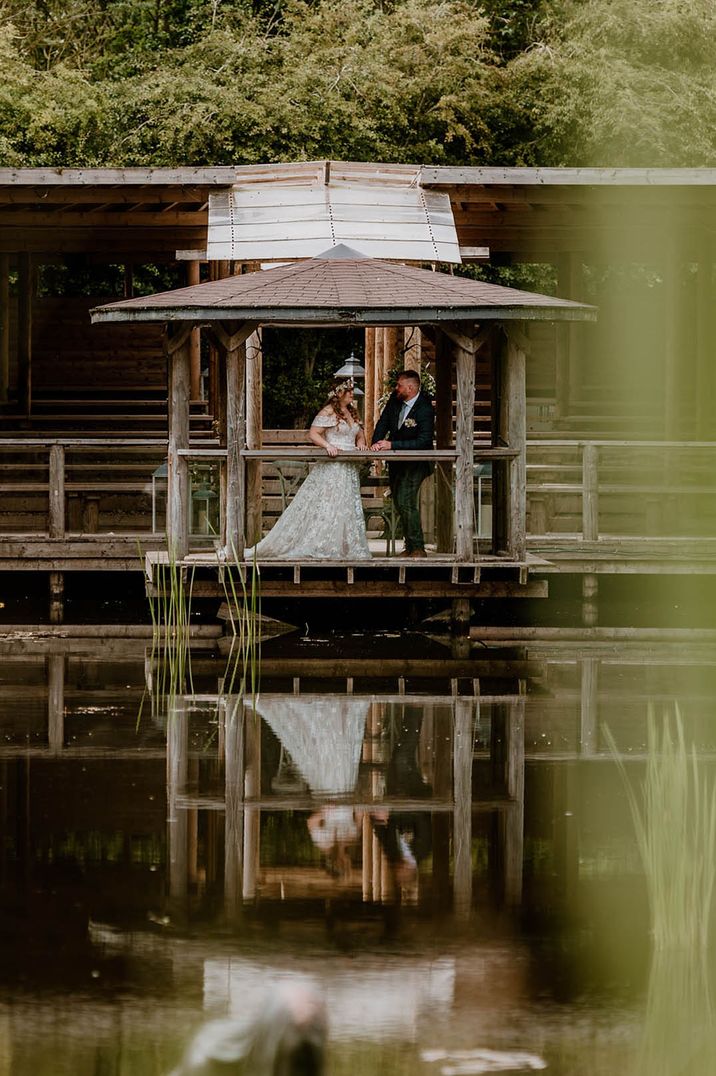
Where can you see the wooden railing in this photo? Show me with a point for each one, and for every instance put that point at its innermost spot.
(585, 490)
(39, 477)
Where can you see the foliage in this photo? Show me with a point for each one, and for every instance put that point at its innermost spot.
(202, 82)
(299, 366)
(166, 82)
(615, 82)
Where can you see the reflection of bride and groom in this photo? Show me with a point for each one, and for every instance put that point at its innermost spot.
(323, 737)
(325, 519)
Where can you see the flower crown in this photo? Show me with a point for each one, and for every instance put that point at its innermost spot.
(343, 386)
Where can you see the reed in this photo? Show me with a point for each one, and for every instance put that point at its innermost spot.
(170, 610)
(675, 822)
(241, 586)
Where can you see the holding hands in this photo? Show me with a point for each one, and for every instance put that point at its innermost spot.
(381, 446)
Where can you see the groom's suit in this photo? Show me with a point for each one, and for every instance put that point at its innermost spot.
(415, 434)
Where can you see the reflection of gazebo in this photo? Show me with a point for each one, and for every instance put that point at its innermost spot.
(343, 288)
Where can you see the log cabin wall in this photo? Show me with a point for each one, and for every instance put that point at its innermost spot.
(71, 354)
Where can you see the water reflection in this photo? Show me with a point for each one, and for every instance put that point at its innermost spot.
(450, 857)
(382, 787)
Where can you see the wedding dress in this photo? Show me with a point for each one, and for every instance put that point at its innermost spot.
(324, 521)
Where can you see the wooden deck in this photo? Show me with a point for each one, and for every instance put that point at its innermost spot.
(436, 576)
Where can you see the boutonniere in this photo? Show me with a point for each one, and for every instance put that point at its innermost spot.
(410, 423)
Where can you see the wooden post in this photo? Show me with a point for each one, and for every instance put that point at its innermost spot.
(412, 348)
(56, 483)
(589, 690)
(176, 346)
(464, 446)
(252, 815)
(235, 444)
(444, 508)
(590, 492)
(378, 366)
(56, 702)
(369, 384)
(254, 434)
(462, 816)
(513, 424)
(56, 526)
(391, 349)
(513, 819)
(193, 276)
(4, 327)
(24, 334)
(703, 385)
(177, 769)
(673, 343)
(232, 339)
(234, 800)
(569, 286)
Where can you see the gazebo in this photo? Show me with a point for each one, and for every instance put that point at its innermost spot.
(343, 288)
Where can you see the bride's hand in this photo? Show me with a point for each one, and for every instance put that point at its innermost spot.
(362, 447)
(331, 450)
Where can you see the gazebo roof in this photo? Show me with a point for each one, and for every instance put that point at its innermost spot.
(342, 287)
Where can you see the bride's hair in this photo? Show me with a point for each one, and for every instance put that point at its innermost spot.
(334, 398)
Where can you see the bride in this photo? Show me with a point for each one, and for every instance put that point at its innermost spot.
(325, 521)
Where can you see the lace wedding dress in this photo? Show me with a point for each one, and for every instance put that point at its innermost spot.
(324, 521)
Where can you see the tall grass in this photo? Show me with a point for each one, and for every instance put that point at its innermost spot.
(243, 598)
(675, 822)
(170, 609)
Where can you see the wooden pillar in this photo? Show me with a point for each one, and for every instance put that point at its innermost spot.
(56, 526)
(569, 286)
(193, 276)
(56, 484)
(177, 769)
(176, 346)
(254, 436)
(590, 492)
(4, 327)
(128, 280)
(462, 815)
(705, 345)
(391, 349)
(589, 690)
(235, 444)
(379, 368)
(369, 384)
(234, 815)
(252, 815)
(412, 348)
(512, 820)
(464, 446)
(513, 426)
(24, 334)
(673, 343)
(56, 702)
(444, 508)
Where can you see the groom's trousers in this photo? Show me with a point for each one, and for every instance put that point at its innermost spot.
(405, 488)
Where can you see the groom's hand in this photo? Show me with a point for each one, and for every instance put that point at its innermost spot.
(381, 446)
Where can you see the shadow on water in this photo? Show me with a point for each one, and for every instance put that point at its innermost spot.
(444, 849)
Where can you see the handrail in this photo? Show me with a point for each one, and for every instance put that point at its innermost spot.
(314, 452)
(549, 442)
(590, 486)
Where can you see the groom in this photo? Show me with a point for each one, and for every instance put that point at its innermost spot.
(407, 422)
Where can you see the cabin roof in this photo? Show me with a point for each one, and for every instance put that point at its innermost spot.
(341, 286)
(136, 215)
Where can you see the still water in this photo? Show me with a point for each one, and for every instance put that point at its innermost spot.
(448, 853)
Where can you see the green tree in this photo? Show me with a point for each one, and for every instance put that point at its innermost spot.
(614, 82)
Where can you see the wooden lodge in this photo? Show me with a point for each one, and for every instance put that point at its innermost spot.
(563, 445)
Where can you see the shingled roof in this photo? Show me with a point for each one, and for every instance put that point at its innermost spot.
(343, 287)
